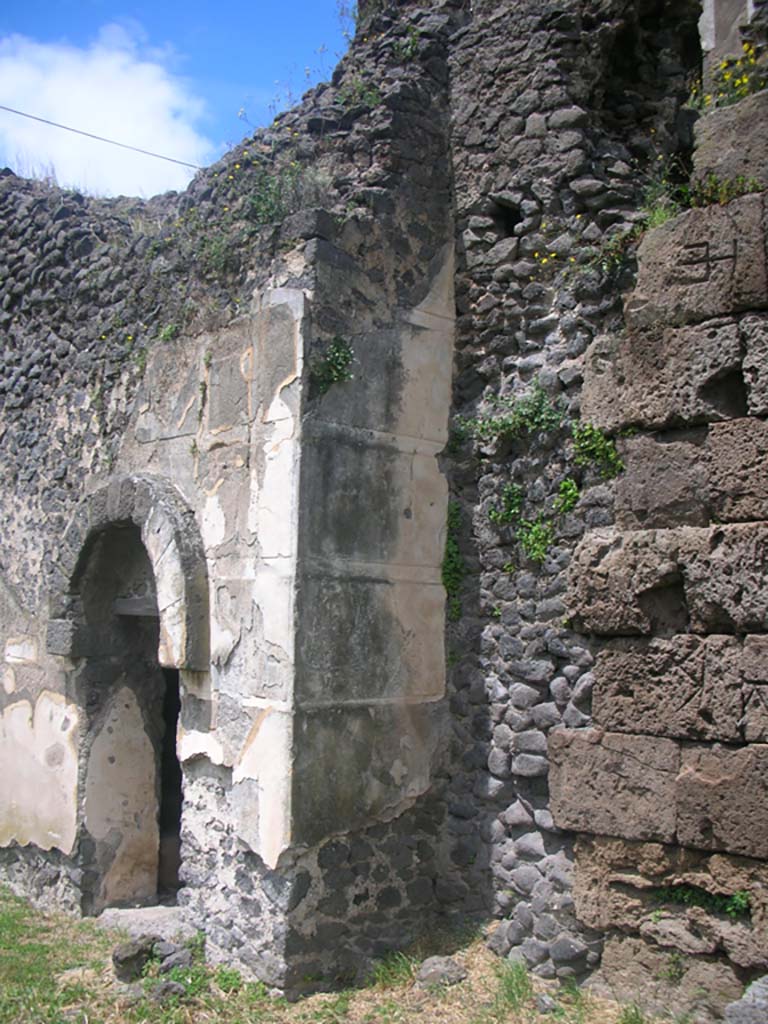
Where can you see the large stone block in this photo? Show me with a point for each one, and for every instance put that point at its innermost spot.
(755, 671)
(636, 971)
(722, 799)
(619, 884)
(705, 263)
(628, 584)
(664, 376)
(683, 687)
(726, 578)
(732, 142)
(613, 784)
(754, 333)
(369, 638)
(671, 581)
(664, 484)
(370, 500)
(738, 469)
(356, 765)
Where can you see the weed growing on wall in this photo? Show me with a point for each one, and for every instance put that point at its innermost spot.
(405, 50)
(516, 418)
(536, 415)
(567, 496)
(733, 80)
(332, 367)
(536, 537)
(593, 447)
(357, 92)
(508, 512)
(736, 905)
(169, 332)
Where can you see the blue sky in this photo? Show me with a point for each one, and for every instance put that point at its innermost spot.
(165, 77)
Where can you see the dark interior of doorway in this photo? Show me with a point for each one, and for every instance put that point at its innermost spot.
(168, 882)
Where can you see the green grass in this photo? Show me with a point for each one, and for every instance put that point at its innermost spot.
(32, 954)
(515, 986)
(632, 1015)
(56, 970)
(393, 970)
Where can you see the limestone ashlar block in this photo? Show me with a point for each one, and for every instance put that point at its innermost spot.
(685, 687)
(705, 263)
(664, 484)
(657, 376)
(355, 765)
(365, 638)
(732, 142)
(754, 334)
(370, 501)
(738, 469)
(613, 784)
(645, 582)
(726, 578)
(722, 799)
(628, 583)
(755, 672)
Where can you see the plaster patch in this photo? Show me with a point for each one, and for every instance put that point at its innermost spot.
(121, 799)
(21, 650)
(276, 516)
(9, 680)
(200, 744)
(266, 758)
(273, 593)
(38, 773)
(214, 521)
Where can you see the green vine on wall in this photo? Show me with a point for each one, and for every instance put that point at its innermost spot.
(453, 569)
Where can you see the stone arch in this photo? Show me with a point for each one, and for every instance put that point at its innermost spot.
(174, 546)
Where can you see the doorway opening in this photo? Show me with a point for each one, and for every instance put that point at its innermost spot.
(169, 859)
(132, 804)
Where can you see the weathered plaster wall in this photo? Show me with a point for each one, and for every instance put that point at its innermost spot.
(187, 418)
(352, 773)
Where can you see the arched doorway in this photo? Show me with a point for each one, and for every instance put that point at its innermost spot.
(134, 592)
(132, 781)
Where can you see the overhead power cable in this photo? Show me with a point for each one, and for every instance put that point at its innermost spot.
(100, 138)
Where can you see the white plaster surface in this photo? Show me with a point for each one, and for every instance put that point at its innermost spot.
(200, 744)
(38, 773)
(21, 650)
(158, 537)
(266, 758)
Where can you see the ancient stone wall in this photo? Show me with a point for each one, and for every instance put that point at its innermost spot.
(669, 784)
(225, 447)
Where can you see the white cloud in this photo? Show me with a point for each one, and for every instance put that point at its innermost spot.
(116, 87)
